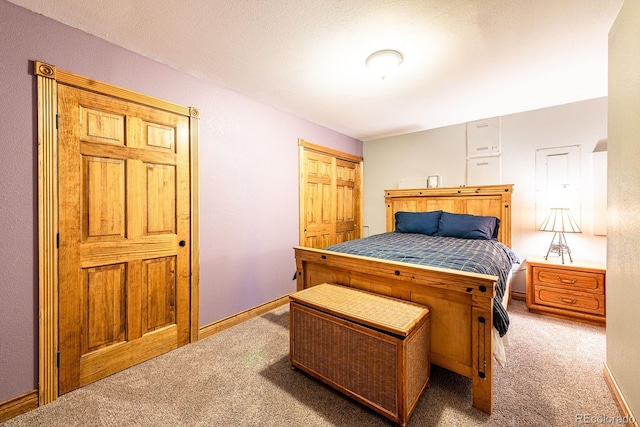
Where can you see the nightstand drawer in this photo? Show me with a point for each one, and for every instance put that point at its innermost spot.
(569, 279)
(576, 301)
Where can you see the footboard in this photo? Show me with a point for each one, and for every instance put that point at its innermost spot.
(461, 306)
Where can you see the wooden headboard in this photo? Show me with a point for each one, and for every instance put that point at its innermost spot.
(488, 200)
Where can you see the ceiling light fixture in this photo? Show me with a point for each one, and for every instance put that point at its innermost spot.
(384, 62)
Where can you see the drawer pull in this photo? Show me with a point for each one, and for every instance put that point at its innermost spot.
(567, 281)
(567, 300)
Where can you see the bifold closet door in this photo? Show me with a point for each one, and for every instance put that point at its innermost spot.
(330, 197)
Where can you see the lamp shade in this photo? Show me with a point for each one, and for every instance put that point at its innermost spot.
(560, 220)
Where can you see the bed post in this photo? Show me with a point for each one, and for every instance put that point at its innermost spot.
(482, 354)
(299, 277)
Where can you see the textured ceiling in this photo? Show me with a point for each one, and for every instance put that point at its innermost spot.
(463, 59)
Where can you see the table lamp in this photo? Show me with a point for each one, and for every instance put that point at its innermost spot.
(560, 221)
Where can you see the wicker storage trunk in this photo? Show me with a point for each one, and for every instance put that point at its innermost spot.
(373, 348)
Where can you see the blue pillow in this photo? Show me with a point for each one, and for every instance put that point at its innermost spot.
(467, 226)
(495, 232)
(418, 222)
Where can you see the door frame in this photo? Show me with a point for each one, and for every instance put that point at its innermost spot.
(48, 78)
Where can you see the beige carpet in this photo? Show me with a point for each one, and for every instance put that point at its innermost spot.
(242, 377)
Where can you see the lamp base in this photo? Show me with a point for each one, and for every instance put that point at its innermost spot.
(560, 247)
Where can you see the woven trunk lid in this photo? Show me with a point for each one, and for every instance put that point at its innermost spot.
(388, 314)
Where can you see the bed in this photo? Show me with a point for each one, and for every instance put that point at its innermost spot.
(462, 303)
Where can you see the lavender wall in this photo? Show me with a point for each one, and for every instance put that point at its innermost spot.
(248, 180)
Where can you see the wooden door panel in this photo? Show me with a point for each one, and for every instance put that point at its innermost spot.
(346, 172)
(160, 206)
(318, 228)
(159, 293)
(345, 209)
(314, 203)
(159, 137)
(104, 306)
(103, 208)
(319, 167)
(101, 126)
(124, 231)
(318, 203)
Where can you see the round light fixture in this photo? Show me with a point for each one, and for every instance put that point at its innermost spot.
(384, 62)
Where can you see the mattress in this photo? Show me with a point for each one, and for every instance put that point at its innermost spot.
(477, 256)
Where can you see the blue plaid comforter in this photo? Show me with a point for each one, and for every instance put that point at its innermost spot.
(477, 256)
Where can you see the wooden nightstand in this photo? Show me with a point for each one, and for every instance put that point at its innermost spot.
(575, 290)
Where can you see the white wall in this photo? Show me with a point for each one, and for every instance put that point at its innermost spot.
(442, 152)
(623, 277)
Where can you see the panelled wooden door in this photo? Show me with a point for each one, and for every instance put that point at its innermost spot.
(124, 226)
(347, 190)
(330, 196)
(319, 204)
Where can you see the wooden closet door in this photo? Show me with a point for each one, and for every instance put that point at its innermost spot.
(124, 264)
(347, 196)
(330, 196)
(319, 200)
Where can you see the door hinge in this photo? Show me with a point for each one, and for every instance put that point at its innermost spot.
(57, 120)
(58, 240)
(57, 359)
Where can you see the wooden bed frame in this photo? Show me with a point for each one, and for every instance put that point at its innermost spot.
(461, 303)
